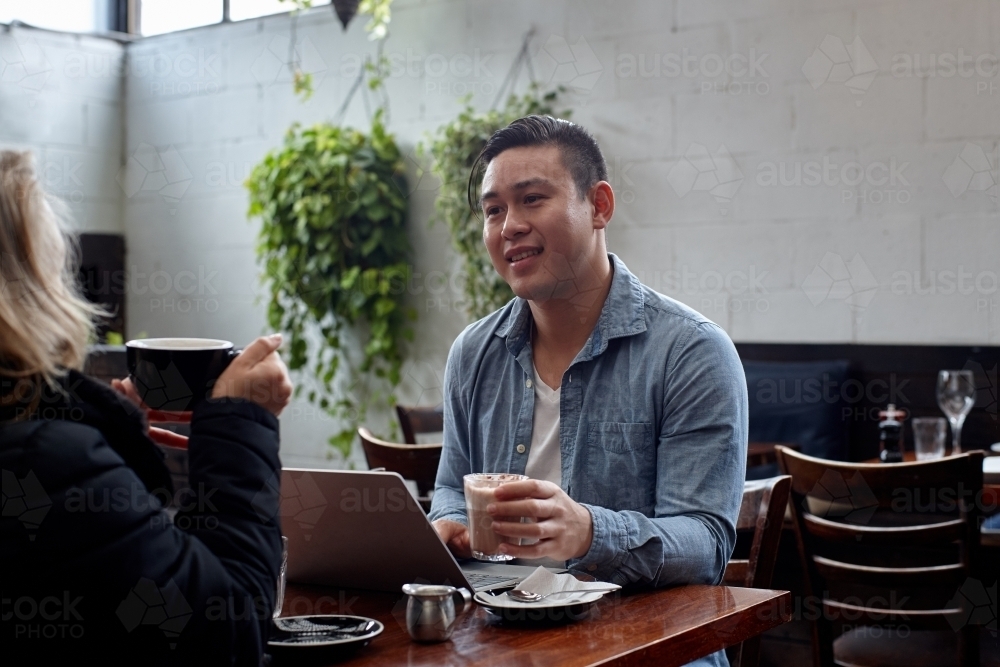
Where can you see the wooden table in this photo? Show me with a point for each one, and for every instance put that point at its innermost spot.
(664, 627)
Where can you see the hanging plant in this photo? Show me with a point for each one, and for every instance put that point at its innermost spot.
(334, 249)
(377, 29)
(453, 149)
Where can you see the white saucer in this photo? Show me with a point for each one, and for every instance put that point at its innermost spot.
(502, 601)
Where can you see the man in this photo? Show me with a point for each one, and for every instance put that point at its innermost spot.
(626, 408)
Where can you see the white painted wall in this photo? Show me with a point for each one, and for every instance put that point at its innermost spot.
(60, 98)
(890, 235)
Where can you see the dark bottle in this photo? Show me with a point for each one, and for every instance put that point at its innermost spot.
(891, 435)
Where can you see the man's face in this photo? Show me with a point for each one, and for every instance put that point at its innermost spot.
(542, 237)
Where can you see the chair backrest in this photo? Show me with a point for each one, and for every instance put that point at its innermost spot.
(886, 544)
(416, 420)
(416, 462)
(762, 512)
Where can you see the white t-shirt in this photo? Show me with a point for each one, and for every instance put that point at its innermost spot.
(544, 458)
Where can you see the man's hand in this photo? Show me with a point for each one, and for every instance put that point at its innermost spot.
(455, 535)
(563, 527)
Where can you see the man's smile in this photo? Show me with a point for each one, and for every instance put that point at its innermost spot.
(520, 254)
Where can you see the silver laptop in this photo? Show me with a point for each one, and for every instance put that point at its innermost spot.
(362, 529)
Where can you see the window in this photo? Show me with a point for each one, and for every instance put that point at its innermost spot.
(155, 16)
(159, 16)
(66, 15)
(248, 9)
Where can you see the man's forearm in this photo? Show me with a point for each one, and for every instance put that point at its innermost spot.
(448, 503)
(629, 547)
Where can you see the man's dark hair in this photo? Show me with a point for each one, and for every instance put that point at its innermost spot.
(580, 153)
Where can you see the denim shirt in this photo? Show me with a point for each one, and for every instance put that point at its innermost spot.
(652, 431)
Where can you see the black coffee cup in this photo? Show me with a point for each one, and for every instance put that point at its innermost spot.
(174, 374)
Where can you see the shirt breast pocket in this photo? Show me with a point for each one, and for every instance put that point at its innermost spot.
(622, 474)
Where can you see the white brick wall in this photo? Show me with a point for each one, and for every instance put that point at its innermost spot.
(60, 98)
(883, 191)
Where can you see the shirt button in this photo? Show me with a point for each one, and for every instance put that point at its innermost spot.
(527, 383)
(520, 449)
(591, 567)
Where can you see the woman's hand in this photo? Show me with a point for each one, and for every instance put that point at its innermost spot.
(158, 435)
(127, 389)
(259, 375)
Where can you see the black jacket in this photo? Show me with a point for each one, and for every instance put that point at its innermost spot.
(93, 566)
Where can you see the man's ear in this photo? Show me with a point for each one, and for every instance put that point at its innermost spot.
(602, 204)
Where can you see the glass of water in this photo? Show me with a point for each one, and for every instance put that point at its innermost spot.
(929, 434)
(280, 597)
(956, 392)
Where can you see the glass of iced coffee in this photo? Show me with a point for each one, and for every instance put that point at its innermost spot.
(479, 490)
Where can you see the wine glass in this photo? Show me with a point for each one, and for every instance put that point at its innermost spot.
(956, 393)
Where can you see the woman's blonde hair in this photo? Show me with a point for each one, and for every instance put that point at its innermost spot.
(45, 324)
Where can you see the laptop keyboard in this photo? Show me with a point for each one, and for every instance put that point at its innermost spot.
(479, 581)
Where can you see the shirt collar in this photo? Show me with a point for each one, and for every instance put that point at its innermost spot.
(622, 315)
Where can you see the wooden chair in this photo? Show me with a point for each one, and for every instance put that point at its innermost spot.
(415, 462)
(416, 420)
(762, 512)
(889, 553)
(762, 453)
